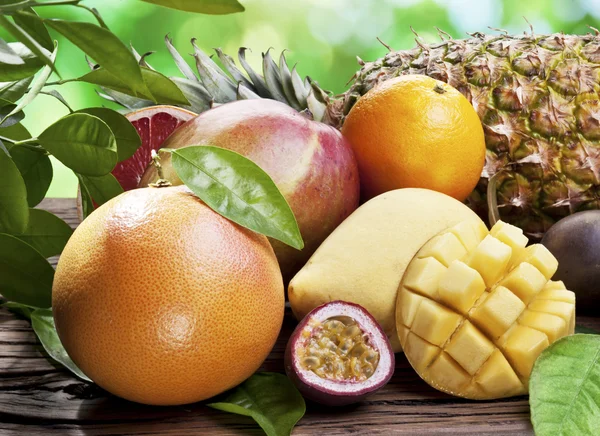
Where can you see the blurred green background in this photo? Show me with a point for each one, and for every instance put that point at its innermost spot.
(322, 36)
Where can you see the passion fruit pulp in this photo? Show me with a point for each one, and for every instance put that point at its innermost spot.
(339, 354)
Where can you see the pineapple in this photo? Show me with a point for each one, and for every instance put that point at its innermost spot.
(537, 97)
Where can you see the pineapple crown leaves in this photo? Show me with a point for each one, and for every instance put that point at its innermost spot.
(214, 85)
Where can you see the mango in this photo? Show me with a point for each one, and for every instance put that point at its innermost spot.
(473, 320)
(365, 258)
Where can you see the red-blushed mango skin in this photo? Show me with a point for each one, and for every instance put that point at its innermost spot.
(160, 300)
(311, 163)
(322, 394)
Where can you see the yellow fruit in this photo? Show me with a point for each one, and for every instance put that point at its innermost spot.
(416, 132)
(160, 300)
(472, 321)
(364, 259)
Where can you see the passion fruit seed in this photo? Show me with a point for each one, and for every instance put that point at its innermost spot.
(338, 349)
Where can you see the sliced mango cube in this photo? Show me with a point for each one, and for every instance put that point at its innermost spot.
(445, 248)
(490, 259)
(557, 295)
(403, 333)
(469, 347)
(523, 347)
(421, 351)
(460, 287)
(470, 233)
(408, 305)
(434, 323)
(498, 312)
(444, 371)
(558, 308)
(551, 325)
(496, 377)
(525, 281)
(552, 285)
(540, 257)
(423, 276)
(510, 235)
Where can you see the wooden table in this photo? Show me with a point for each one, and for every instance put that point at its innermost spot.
(37, 396)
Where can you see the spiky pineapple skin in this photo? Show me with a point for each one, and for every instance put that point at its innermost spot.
(538, 100)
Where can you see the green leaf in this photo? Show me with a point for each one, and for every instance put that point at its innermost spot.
(25, 275)
(160, 88)
(564, 388)
(269, 398)
(10, 113)
(238, 189)
(17, 132)
(46, 232)
(32, 64)
(8, 56)
(36, 170)
(83, 143)
(34, 26)
(42, 322)
(106, 49)
(34, 46)
(128, 139)
(20, 309)
(36, 86)
(13, 91)
(14, 210)
(213, 7)
(101, 189)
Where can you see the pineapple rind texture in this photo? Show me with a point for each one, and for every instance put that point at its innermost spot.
(472, 321)
(537, 97)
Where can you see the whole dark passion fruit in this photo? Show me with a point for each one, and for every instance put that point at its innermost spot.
(339, 354)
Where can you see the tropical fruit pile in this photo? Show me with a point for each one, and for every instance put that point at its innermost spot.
(195, 299)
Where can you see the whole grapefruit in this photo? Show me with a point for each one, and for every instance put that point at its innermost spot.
(416, 132)
(160, 300)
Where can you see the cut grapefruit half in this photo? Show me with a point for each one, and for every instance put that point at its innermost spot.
(154, 124)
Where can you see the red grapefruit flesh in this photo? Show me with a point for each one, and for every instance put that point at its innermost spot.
(154, 124)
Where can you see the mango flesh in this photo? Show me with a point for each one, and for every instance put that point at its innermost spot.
(476, 308)
(364, 259)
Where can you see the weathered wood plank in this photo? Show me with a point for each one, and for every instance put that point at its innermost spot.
(39, 397)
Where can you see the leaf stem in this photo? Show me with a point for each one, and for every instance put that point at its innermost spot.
(5, 139)
(30, 3)
(31, 143)
(61, 82)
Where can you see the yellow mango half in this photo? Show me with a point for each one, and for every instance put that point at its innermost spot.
(364, 259)
(473, 320)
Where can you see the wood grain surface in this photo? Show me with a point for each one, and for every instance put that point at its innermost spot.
(38, 397)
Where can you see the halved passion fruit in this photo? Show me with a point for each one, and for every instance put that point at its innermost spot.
(339, 354)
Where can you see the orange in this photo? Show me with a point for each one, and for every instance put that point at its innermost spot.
(160, 300)
(416, 132)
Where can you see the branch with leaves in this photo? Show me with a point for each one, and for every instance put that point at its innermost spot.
(91, 142)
